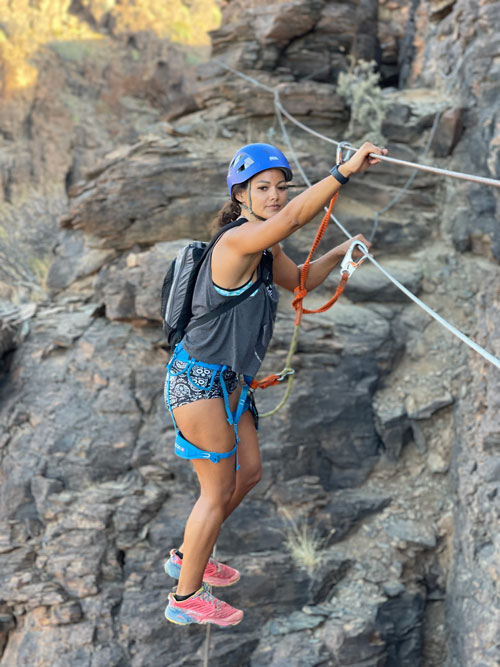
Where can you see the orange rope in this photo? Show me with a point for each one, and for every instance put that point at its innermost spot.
(301, 292)
(266, 382)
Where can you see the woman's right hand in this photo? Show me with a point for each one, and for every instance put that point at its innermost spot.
(361, 160)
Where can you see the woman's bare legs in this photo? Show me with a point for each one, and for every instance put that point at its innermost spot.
(250, 470)
(221, 489)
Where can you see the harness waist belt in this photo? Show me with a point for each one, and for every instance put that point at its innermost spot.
(186, 449)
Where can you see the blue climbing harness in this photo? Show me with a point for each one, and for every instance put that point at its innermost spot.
(183, 447)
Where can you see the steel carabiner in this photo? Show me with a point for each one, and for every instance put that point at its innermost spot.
(349, 265)
(350, 150)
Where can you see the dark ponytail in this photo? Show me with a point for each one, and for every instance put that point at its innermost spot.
(231, 209)
(229, 212)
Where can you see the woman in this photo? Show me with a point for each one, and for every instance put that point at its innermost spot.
(214, 418)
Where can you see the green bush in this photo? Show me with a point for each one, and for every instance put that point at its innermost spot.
(359, 86)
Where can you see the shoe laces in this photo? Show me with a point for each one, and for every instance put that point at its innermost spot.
(211, 599)
(214, 565)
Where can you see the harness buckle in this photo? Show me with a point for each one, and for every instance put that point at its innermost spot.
(349, 265)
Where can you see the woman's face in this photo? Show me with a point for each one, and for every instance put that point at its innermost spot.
(268, 192)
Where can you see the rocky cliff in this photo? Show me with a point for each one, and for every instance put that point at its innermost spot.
(371, 539)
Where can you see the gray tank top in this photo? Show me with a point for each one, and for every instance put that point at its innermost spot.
(239, 337)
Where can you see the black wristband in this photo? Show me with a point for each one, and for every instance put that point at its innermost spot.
(334, 171)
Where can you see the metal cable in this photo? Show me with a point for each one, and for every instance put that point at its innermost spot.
(483, 180)
(472, 344)
(487, 355)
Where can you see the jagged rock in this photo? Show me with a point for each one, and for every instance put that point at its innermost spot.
(280, 24)
(74, 261)
(348, 508)
(131, 288)
(296, 650)
(392, 424)
(289, 494)
(308, 40)
(294, 623)
(408, 531)
(301, 99)
(118, 211)
(398, 623)
(424, 403)
(7, 344)
(333, 569)
(437, 464)
(345, 460)
(369, 284)
(353, 643)
(448, 132)
(472, 598)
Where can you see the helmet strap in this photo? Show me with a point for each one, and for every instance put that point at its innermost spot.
(249, 207)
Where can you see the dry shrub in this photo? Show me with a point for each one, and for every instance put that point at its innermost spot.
(360, 88)
(303, 542)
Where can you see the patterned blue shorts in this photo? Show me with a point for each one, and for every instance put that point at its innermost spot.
(199, 383)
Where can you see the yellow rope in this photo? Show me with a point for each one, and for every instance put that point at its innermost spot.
(286, 370)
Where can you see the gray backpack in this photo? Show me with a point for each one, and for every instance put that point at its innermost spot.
(179, 282)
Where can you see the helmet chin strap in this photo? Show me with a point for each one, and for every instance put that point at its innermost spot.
(249, 208)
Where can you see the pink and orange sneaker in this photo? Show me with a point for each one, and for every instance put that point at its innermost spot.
(216, 573)
(202, 607)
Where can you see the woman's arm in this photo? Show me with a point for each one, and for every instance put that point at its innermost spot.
(287, 273)
(250, 239)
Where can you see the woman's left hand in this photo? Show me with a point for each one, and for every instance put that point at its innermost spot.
(362, 160)
(344, 247)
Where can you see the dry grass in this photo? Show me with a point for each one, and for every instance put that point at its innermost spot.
(303, 542)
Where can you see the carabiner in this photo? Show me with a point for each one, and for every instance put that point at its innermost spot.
(350, 150)
(284, 373)
(349, 265)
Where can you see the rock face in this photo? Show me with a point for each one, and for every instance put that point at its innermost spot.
(103, 72)
(304, 40)
(473, 606)
(371, 538)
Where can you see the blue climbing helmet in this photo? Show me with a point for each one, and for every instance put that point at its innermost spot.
(252, 159)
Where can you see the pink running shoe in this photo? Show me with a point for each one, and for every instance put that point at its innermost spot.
(216, 574)
(202, 607)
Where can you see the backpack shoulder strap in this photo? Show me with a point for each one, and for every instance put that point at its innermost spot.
(207, 249)
(221, 231)
(186, 313)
